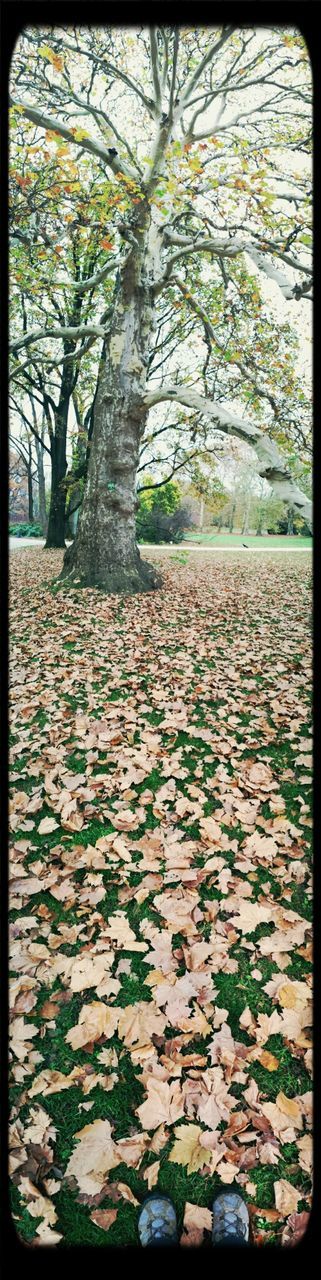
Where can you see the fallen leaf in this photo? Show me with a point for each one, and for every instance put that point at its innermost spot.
(104, 1218)
(46, 826)
(93, 1157)
(286, 1197)
(95, 1020)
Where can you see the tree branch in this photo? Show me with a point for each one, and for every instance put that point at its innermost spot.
(272, 466)
(78, 331)
(155, 68)
(120, 169)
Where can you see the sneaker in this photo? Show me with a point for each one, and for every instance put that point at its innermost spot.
(157, 1223)
(231, 1222)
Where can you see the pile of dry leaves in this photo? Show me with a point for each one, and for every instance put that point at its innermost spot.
(159, 749)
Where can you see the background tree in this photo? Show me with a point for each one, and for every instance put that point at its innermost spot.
(202, 203)
(55, 248)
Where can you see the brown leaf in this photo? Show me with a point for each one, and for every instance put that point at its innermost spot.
(295, 1228)
(104, 1218)
(286, 1197)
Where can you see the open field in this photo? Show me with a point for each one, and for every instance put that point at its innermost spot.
(271, 542)
(160, 919)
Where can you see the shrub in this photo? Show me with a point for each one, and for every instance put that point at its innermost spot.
(155, 526)
(300, 528)
(26, 530)
(160, 516)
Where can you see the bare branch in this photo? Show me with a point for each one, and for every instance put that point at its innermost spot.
(77, 331)
(272, 466)
(155, 68)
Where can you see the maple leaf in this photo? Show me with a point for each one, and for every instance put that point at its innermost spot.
(164, 1104)
(46, 826)
(20, 1037)
(286, 1197)
(89, 971)
(93, 1157)
(250, 914)
(138, 1022)
(130, 1150)
(295, 1228)
(104, 1218)
(151, 1174)
(126, 1193)
(95, 1020)
(187, 1149)
(196, 1221)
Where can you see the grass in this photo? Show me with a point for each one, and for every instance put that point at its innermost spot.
(287, 542)
(201, 651)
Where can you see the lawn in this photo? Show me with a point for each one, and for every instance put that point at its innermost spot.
(238, 539)
(160, 896)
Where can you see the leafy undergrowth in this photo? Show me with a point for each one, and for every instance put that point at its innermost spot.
(160, 897)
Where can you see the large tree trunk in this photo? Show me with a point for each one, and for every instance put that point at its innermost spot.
(105, 553)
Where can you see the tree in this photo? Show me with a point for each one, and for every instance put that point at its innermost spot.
(161, 516)
(18, 488)
(206, 486)
(55, 247)
(198, 201)
(23, 448)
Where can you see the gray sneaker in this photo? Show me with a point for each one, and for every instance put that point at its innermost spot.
(157, 1223)
(231, 1222)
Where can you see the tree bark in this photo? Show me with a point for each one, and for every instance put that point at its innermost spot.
(290, 521)
(246, 518)
(30, 486)
(232, 518)
(105, 553)
(41, 488)
(56, 522)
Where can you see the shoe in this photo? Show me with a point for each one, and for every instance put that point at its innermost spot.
(231, 1222)
(157, 1223)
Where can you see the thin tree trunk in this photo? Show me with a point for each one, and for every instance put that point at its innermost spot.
(104, 552)
(201, 521)
(56, 522)
(232, 517)
(41, 487)
(290, 521)
(30, 486)
(245, 518)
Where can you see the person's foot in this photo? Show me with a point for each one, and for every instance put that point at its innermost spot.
(231, 1222)
(157, 1223)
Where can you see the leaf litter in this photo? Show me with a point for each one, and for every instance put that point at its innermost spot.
(160, 898)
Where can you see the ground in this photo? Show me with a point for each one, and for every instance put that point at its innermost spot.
(160, 896)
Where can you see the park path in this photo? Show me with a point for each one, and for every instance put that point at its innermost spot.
(18, 544)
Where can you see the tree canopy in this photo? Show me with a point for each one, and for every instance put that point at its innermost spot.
(172, 164)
